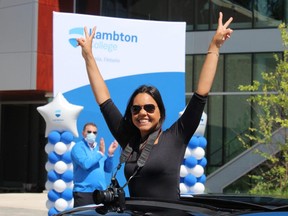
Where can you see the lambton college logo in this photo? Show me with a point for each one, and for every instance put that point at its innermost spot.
(74, 34)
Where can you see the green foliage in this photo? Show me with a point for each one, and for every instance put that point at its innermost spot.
(271, 108)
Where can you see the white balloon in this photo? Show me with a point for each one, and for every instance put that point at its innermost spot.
(49, 166)
(59, 185)
(183, 171)
(187, 153)
(197, 171)
(61, 204)
(70, 166)
(49, 204)
(49, 148)
(70, 146)
(60, 167)
(60, 115)
(197, 188)
(60, 148)
(49, 185)
(183, 188)
(70, 185)
(200, 131)
(71, 204)
(198, 153)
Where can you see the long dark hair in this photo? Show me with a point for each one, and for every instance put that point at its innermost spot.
(155, 94)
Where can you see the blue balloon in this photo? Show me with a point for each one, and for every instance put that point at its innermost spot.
(202, 162)
(194, 142)
(67, 137)
(202, 142)
(181, 180)
(53, 195)
(202, 179)
(67, 194)
(67, 176)
(66, 157)
(53, 157)
(190, 162)
(52, 211)
(54, 137)
(53, 176)
(190, 180)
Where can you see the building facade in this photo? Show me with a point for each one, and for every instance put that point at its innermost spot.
(26, 77)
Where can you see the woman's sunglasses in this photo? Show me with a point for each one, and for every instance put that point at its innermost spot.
(135, 109)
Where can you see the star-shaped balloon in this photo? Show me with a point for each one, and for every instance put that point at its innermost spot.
(60, 115)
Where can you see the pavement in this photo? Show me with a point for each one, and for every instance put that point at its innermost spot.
(23, 204)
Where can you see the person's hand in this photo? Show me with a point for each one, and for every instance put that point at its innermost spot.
(112, 147)
(222, 32)
(102, 146)
(86, 43)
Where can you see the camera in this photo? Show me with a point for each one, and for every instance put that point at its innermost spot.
(113, 198)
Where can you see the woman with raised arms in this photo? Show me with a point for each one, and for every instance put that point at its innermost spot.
(144, 116)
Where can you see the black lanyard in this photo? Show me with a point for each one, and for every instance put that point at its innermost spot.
(143, 156)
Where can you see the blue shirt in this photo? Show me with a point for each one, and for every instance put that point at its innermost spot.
(89, 167)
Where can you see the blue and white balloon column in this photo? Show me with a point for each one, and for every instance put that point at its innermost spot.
(192, 176)
(61, 128)
(59, 172)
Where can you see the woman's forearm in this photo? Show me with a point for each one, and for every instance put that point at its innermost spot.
(208, 70)
(209, 67)
(98, 85)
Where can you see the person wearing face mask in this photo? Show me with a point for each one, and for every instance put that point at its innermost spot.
(90, 164)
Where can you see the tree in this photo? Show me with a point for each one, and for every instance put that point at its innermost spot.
(271, 109)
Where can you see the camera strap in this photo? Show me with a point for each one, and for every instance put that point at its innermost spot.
(143, 156)
(145, 152)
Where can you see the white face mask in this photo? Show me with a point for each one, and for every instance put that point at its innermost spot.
(90, 138)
